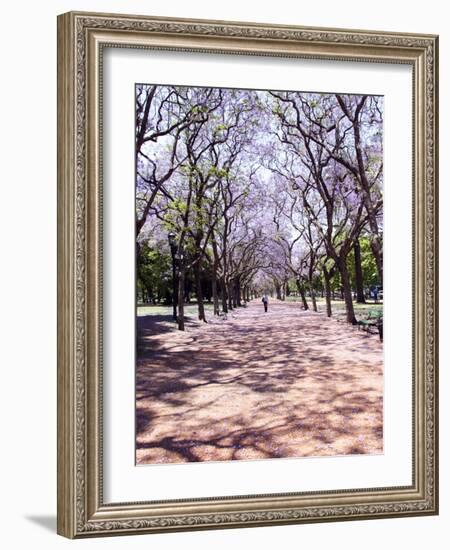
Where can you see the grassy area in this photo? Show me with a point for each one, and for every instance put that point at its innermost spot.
(189, 309)
(338, 306)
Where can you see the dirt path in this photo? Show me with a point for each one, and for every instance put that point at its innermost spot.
(287, 383)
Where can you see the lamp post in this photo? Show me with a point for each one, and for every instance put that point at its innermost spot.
(173, 251)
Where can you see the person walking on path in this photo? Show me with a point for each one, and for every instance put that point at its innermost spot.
(265, 301)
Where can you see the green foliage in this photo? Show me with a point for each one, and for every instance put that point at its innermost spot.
(154, 275)
(198, 109)
(218, 172)
(178, 206)
(368, 265)
(276, 109)
(220, 127)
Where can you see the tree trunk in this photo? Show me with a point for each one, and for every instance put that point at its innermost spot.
(199, 292)
(181, 275)
(278, 290)
(230, 296)
(311, 286)
(327, 284)
(224, 296)
(313, 296)
(149, 294)
(301, 291)
(234, 293)
(214, 276)
(238, 293)
(215, 295)
(358, 274)
(377, 251)
(347, 291)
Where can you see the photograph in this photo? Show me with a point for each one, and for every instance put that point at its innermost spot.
(259, 274)
(247, 273)
(234, 236)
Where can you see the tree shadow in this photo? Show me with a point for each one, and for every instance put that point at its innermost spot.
(188, 387)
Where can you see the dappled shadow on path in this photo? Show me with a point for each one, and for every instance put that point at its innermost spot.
(285, 384)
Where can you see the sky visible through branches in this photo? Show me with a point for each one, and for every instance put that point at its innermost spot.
(262, 189)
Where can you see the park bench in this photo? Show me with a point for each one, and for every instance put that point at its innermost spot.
(373, 320)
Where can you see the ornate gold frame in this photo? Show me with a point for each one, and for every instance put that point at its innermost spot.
(81, 510)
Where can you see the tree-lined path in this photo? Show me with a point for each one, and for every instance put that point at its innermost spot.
(288, 383)
(240, 194)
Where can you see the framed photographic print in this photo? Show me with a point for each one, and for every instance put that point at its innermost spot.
(247, 282)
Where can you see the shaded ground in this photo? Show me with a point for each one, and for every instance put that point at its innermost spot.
(287, 383)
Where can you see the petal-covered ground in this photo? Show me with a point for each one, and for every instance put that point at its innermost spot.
(286, 383)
